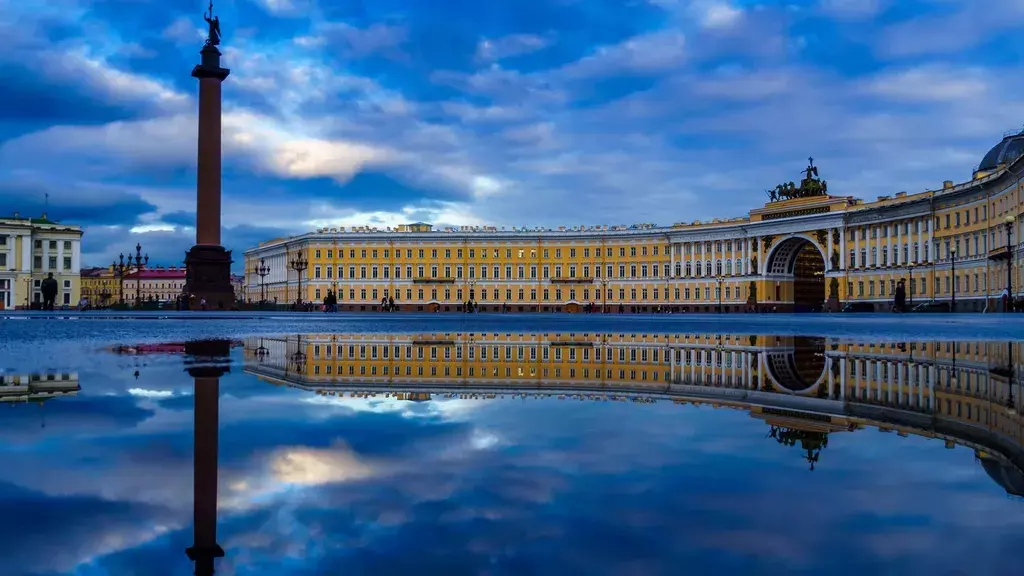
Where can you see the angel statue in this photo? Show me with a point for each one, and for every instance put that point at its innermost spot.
(213, 37)
(772, 195)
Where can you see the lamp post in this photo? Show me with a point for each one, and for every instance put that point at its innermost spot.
(952, 280)
(719, 279)
(262, 270)
(910, 273)
(472, 293)
(604, 295)
(299, 264)
(1009, 265)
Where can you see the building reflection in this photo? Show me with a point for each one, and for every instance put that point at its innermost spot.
(962, 393)
(38, 388)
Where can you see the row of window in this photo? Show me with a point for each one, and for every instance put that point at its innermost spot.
(522, 272)
(519, 295)
(519, 253)
(480, 351)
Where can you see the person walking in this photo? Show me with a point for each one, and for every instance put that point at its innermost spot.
(900, 300)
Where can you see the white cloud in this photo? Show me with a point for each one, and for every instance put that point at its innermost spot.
(184, 31)
(490, 49)
(853, 9)
(929, 84)
(658, 51)
(362, 42)
(716, 15)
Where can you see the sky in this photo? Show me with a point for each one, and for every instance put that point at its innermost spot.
(499, 112)
(101, 484)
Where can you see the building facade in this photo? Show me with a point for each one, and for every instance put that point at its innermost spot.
(157, 284)
(961, 393)
(32, 248)
(806, 249)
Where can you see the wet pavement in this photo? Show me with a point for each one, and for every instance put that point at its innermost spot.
(299, 444)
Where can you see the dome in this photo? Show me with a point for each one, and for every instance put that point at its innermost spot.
(1005, 152)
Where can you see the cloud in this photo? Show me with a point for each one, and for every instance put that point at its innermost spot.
(491, 49)
(382, 39)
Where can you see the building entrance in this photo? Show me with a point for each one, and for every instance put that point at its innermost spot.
(801, 260)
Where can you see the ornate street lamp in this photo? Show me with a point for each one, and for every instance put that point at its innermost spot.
(123, 266)
(299, 264)
(262, 270)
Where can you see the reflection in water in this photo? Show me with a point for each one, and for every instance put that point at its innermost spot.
(803, 388)
(207, 361)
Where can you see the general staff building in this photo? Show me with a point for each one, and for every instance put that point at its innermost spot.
(807, 249)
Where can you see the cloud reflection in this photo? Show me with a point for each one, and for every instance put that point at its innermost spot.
(317, 483)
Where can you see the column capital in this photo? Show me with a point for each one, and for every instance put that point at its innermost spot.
(210, 65)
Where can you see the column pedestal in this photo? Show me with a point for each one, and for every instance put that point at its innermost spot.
(208, 276)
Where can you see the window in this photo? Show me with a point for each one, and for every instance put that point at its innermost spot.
(52, 263)
(3, 260)
(53, 244)
(67, 245)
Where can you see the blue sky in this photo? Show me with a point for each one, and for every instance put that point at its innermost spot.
(313, 485)
(503, 112)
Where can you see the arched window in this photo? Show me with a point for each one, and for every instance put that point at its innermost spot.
(718, 267)
(728, 267)
(739, 266)
(699, 268)
(689, 269)
(707, 266)
(678, 269)
(885, 255)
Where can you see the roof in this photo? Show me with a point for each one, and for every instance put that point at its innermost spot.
(159, 273)
(1010, 148)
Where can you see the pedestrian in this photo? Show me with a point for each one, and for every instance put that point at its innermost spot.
(49, 289)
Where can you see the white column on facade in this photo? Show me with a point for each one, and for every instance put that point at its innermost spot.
(899, 244)
(46, 256)
(842, 379)
(26, 253)
(672, 259)
(856, 250)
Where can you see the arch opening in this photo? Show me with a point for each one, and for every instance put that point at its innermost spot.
(800, 259)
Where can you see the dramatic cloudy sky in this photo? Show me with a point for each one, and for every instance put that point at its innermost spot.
(507, 112)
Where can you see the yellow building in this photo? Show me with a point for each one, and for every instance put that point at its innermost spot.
(100, 286)
(963, 393)
(30, 249)
(807, 249)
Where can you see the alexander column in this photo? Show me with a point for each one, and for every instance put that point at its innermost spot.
(208, 264)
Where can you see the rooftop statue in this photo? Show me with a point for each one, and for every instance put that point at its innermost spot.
(213, 37)
(809, 187)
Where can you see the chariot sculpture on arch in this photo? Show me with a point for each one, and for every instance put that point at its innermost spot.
(809, 187)
(213, 36)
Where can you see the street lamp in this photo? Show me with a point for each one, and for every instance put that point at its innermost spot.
(719, 279)
(952, 264)
(472, 294)
(1009, 264)
(299, 264)
(910, 272)
(604, 294)
(262, 270)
